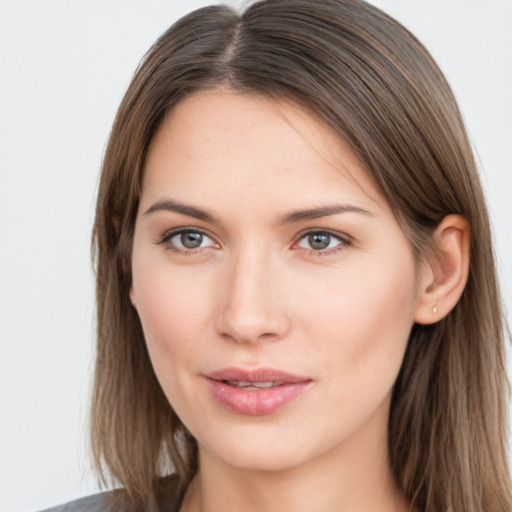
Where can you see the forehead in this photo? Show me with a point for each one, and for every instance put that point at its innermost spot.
(231, 143)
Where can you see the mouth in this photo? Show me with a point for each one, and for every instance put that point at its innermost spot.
(255, 392)
(252, 385)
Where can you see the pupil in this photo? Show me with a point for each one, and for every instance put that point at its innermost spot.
(319, 240)
(191, 240)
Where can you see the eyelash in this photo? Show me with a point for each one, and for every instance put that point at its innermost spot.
(167, 237)
(344, 242)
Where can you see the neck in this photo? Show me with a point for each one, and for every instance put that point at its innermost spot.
(354, 477)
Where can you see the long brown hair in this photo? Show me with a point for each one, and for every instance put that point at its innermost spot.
(369, 80)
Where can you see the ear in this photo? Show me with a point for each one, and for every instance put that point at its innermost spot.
(132, 297)
(444, 277)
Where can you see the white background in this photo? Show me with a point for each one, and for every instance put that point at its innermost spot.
(64, 66)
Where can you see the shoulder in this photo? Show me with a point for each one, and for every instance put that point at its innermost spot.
(103, 501)
(169, 499)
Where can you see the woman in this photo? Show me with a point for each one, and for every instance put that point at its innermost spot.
(297, 301)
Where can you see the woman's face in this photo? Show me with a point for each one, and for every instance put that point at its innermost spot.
(276, 292)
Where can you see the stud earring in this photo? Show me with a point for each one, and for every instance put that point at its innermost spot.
(435, 309)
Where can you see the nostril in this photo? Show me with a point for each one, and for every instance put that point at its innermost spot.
(246, 335)
(267, 335)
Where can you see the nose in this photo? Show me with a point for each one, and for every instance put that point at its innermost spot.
(251, 305)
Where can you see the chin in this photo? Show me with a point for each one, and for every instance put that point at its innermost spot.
(262, 459)
(266, 448)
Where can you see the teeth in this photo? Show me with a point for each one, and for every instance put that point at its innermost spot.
(266, 384)
(253, 385)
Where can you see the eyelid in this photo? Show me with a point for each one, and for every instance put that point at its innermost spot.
(344, 239)
(165, 239)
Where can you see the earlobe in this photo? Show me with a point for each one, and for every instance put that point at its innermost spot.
(444, 281)
(132, 297)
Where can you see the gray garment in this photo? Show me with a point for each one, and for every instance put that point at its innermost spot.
(169, 500)
(95, 503)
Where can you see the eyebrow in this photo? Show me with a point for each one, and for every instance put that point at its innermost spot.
(322, 211)
(185, 209)
(289, 218)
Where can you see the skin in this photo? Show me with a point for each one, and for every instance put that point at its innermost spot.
(256, 294)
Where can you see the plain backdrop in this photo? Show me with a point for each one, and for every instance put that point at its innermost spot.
(64, 66)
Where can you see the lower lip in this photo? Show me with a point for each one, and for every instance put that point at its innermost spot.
(256, 402)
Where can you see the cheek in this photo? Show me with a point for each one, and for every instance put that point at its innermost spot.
(172, 303)
(363, 323)
(173, 312)
(176, 309)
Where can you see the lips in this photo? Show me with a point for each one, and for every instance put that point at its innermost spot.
(255, 392)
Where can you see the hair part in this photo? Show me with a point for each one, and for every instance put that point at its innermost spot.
(366, 78)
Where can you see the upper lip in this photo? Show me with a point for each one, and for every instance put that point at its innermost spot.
(256, 375)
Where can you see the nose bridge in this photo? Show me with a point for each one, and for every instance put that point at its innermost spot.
(251, 308)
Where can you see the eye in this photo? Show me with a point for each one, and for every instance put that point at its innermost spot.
(187, 240)
(321, 241)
